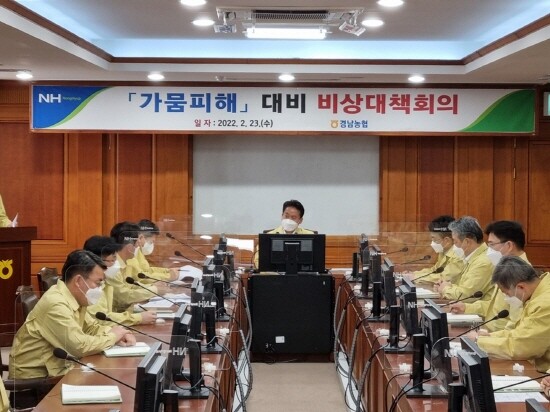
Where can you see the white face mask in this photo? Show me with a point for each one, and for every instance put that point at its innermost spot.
(136, 250)
(494, 256)
(93, 295)
(111, 271)
(437, 247)
(148, 248)
(513, 301)
(458, 251)
(289, 225)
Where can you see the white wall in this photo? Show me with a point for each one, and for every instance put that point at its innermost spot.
(244, 180)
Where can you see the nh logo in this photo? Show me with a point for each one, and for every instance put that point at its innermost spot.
(49, 98)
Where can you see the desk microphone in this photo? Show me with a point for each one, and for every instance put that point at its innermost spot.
(427, 257)
(178, 253)
(132, 281)
(170, 236)
(62, 354)
(405, 249)
(519, 383)
(476, 295)
(103, 316)
(144, 276)
(438, 270)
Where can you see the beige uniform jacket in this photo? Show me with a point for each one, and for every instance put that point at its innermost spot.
(280, 230)
(105, 305)
(140, 264)
(530, 339)
(57, 321)
(4, 400)
(4, 221)
(488, 309)
(125, 294)
(476, 276)
(451, 263)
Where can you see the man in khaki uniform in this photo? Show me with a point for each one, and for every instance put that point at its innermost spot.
(504, 238)
(476, 275)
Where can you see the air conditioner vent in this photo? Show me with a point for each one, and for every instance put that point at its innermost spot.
(273, 15)
(320, 16)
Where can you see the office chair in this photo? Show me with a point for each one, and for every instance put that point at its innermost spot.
(26, 299)
(47, 277)
(25, 394)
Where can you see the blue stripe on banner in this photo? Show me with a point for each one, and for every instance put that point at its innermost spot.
(54, 104)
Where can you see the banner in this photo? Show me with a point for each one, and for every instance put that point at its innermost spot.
(254, 109)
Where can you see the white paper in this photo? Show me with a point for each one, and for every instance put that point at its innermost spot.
(518, 396)
(422, 293)
(140, 349)
(501, 381)
(463, 318)
(90, 394)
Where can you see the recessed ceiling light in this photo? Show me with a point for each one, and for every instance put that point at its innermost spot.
(372, 22)
(155, 76)
(390, 3)
(416, 78)
(286, 33)
(206, 237)
(286, 77)
(193, 3)
(207, 215)
(24, 75)
(203, 22)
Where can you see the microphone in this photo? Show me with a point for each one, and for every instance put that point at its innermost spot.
(519, 383)
(476, 295)
(132, 281)
(427, 257)
(438, 270)
(103, 316)
(144, 276)
(502, 314)
(62, 354)
(169, 235)
(405, 249)
(178, 253)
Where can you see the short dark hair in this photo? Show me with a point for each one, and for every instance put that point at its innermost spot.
(295, 204)
(507, 231)
(467, 227)
(102, 246)
(125, 232)
(441, 224)
(511, 270)
(80, 262)
(147, 226)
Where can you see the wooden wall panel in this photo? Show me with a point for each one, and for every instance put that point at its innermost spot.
(539, 195)
(504, 178)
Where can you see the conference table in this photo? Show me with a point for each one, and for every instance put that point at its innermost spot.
(384, 384)
(124, 368)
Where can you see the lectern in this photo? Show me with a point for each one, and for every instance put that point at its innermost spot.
(15, 270)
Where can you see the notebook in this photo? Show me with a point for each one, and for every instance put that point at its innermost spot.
(422, 293)
(500, 381)
(71, 394)
(140, 349)
(463, 319)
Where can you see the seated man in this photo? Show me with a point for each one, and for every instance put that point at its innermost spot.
(448, 265)
(476, 276)
(106, 248)
(291, 218)
(528, 340)
(60, 320)
(504, 238)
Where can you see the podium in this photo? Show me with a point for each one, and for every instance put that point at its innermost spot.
(15, 270)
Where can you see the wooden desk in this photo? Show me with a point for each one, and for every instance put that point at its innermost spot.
(386, 366)
(124, 369)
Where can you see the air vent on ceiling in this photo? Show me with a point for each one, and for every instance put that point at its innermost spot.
(320, 16)
(332, 16)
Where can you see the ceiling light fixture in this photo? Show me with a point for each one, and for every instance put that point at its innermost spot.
(24, 75)
(206, 237)
(287, 33)
(390, 3)
(156, 77)
(204, 22)
(416, 78)
(372, 22)
(286, 77)
(193, 3)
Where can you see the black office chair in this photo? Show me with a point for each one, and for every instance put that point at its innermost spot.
(25, 394)
(47, 277)
(27, 299)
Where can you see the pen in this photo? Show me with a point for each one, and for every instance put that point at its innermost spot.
(142, 308)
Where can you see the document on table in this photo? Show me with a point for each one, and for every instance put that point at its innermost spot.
(463, 319)
(422, 293)
(140, 349)
(73, 394)
(501, 381)
(518, 397)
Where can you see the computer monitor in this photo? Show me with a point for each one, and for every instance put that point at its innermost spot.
(176, 351)
(409, 307)
(375, 258)
(475, 375)
(291, 254)
(532, 405)
(389, 283)
(150, 380)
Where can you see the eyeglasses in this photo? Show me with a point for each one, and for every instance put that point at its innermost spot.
(491, 244)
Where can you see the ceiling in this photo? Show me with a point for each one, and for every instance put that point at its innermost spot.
(464, 41)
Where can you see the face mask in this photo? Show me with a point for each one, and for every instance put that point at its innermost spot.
(148, 248)
(458, 251)
(494, 256)
(437, 247)
(513, 301)
(111, 271)
(289, 225)
(93, 295)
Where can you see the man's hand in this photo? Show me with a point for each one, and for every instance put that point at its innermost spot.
(148, 317)
(174, 274)
(127, 340)
(545, 384)
(458, 308)
(441, 285)
(119, 332)
(162, 288)
(472, 335)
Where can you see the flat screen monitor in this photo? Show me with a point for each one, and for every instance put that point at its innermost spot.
(291, 254)
(409, 307)
(475, 375)
(389, 283)
(375, 255)
(176, 351)
(150, 380)
(435, 329)
(532, 405)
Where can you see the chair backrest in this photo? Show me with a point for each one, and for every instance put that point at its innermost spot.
(47, 277)
(27, 299)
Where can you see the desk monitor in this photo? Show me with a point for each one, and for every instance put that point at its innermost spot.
(176, 351)
(149, 380)
(475, 375)
(291, 254)
(409, 307)
(532, 405)
(389, 283)
(375, 258)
